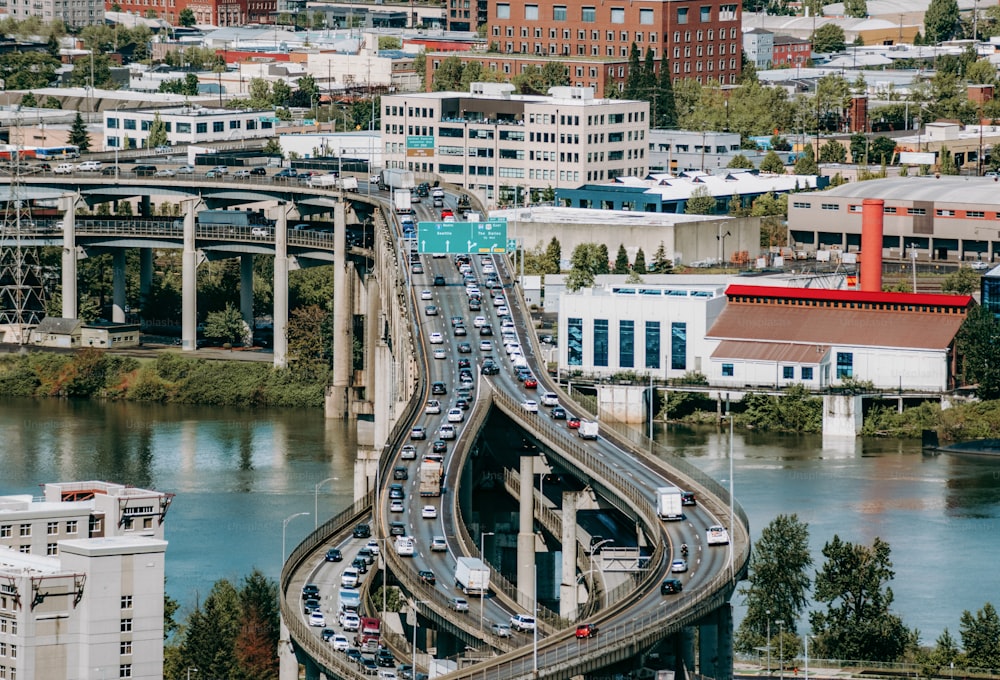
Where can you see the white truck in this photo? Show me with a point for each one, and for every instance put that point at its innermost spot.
(472, 576)
(394, 178)
(401, 201)
(349, 600)
(669, 502)
(588, 429)
(430, 478)
(347, 183)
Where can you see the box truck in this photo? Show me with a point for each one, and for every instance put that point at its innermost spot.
(401, 201)
(669, 502)
(588, 429)
(349, 600)
(472, 576)
(394, 178)
(431, 472)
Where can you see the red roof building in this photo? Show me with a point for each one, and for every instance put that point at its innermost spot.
(789, 51)
(774, 337)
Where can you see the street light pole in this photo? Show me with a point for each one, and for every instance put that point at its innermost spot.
(316, 499)
(807, 655)
(284, 525)
(534, 632)
(482, 554)
(189, 669)
(768, 612)
(781, 648)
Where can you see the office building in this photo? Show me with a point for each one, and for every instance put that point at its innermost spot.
(501, 144)
(81, 583)
(758, 45)
(188, 125)
(75, 14)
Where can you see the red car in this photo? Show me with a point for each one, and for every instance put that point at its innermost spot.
(530, 382)
(446, 213)
(573, 423)
(586, 630)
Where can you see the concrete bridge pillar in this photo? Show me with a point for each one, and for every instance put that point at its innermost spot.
(67, 204)
(684, 666)
(246, 289)
(526, 533)
(623, 403)
(336, 400)
(189, 282)
(371, 333)
(568, 591)
(288, 665)
(724, 669)
(708, 646)
(843, 415)
(365, 472)
(280, 288)
(118, 285)
(145, 278)
(145, 210)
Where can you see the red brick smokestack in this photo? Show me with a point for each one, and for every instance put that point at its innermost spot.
(871, 244)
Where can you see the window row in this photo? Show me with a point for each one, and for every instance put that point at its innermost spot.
(806, 373)
(652, 354)
(616, 15)
(8, 626)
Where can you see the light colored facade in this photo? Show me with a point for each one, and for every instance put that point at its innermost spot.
(107, 336)
(758, 45)
(348, 145)
(650, 330)
(937, 218)
(81, 583)
(75, 14)
(188, 125)
(499, 143)
(690, 150)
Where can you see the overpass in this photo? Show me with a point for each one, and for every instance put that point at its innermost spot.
(614, 471)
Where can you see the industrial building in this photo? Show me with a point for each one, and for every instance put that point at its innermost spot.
(188, 125)
(81, 582)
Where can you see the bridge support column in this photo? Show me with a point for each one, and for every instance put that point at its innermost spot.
(280, 288)
(145, 278)
(684, 666)
(568, 590)
(189, 282)
(708, 646)
(724, 668)
(118, 285)
(69, 294)
(365, 472)
(144, 207)
(371, 334)
(288, 668)
(843, 415)
(336, 398)
(246, 290)
(526, 533)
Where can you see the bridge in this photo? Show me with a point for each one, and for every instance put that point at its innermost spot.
(615, 473)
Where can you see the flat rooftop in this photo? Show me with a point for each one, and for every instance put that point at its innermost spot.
(613, 218)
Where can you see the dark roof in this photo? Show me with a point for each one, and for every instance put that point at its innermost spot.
(788, 40)
(55, 325)
(779, 293)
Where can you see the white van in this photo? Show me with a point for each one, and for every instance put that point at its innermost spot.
(259, 231)
(89, 166)
(64, 169)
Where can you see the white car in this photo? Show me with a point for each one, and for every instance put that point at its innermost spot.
(349, 621)
(513, 348)
(433, 407)
(550, 399)
(440, 354)
(165, 172)
(340, 643)
(479, 321)
(678, 566)
(425, 295)
(456, 415)
(522, 622)
(486, 345)
(64, 169)
(437, 339)
(372, 545)
(503, 311)
(717, 535)
(447, 431)
(396, 505)
(317, 619)
(350, 578)
(438, 544)
(530, 405)
(404, 546)
(408, 452)
(429, 512)
(89, 166)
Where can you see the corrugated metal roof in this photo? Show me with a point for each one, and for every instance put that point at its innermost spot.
(944, 189)
(785, 352)
(851, 296)
(834, 326)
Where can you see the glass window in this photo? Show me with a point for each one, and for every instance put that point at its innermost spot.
(574, 342)
(727, 370)
(845, 365)
(559, 13)
(588, 15)
(531, 12)
(219, 126)
(678, 346)
(234, 125)
(5, 531)
(71, 526)
(129, 123)
(201, 128)
(646, 18)
(807, 373)
(503, 11)
(626, 344)
(652, 344)
(706, 14)
(184, 128)
(682, 15)
(788, 372)
(600, 342)
(618, 15)
(52, 528)
(112, 123)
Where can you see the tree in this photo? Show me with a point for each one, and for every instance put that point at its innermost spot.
(211, 632)
(273, 147)
(78, 134)
(940, 21)
(256, 642)
(281, 92)
(828, 38)
(661, 264)
(883, 150)
(857, 9)
(962, 281)
(587, 261)
(701, 202)
(832, 152)
(186, 17)
(859, 148)
(772, 163)
(157, 133)
(640, 262)
(946, 164)
(976, 343)
(553, 257)
(778, 583)
(665, 109)
(309, 339)
(227, 325)
(29, 101)
(448, 76)
(806, 163)
(633, 82)
(647, 82)
(981, 637)
(621, 261)
(51, 103)
(740, 161)
(858, 623)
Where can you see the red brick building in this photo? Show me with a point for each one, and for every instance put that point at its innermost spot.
(207, 12)
(789, 51)
(701, 40)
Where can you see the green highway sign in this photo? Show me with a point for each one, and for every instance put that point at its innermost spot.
(462, 237)
(420, 142)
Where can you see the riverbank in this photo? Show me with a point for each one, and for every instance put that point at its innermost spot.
(167, 378)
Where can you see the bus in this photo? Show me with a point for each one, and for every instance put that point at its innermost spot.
(46, 153)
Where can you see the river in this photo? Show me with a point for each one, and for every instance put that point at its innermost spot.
(238, 474)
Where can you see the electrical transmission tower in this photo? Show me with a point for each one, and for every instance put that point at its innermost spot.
(22, 299)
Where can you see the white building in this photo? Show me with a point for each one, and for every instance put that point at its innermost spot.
(77, 14)
(499, 143)
(363, 145)
(81, 583)
(758, 45)
(188, 125)
(650, 330)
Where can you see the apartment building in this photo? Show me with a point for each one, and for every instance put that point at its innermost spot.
(790, 51)
(758, 45)
(499, 143)
(74, 13)
(206, 12)
(700, 39)
(81, 583)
